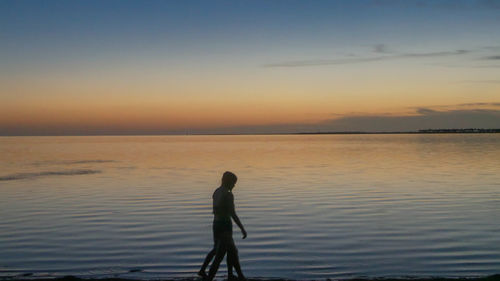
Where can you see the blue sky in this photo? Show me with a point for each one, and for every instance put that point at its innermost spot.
(43, 29)
(163, 49)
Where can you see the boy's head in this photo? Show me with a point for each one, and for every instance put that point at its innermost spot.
(229, 180)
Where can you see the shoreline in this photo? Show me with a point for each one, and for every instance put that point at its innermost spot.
(495, 277)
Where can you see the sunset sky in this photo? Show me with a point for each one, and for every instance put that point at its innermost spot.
(167, 67)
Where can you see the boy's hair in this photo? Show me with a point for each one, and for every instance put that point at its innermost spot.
(229, 178)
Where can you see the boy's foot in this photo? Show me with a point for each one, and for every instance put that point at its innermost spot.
(242, 278)
(232, 278)
(202, 274)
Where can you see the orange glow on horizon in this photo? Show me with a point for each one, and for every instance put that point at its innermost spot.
(224, 99)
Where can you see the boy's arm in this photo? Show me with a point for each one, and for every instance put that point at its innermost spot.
(238, 222)
(236, 219)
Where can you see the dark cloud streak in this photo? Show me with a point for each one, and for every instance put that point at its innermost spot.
(381, 47)
(425, 119)
(481, 81)
(492, 58)
(424, 111)
(443, 4)
(480, 103)
(73, 162)
(323, 62)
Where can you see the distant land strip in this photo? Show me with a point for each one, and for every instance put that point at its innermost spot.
(495, 277)
(425, 131)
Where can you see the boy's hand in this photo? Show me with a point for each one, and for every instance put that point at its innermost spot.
(244, 234)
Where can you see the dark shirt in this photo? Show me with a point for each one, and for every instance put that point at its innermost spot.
(223, 204)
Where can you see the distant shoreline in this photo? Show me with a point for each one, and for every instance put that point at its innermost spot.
(425, 131)
(495, 277)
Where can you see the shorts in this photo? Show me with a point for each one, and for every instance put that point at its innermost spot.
(221, 226)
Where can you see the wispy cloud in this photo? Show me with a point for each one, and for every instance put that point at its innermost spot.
(380, 48)
(300, 63)
(494, 48)
(469, 65)
(434, 54)
(492, 58)
(443, 4)
(424, 111)
(481, 103)
(451, 107)
(492, 81)
(73, 162)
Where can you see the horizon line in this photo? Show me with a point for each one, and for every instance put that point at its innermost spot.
(420, 131)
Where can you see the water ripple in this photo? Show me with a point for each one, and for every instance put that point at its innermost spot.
(21, 176)
(328, 207)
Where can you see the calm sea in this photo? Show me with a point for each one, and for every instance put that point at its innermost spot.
(325, 206)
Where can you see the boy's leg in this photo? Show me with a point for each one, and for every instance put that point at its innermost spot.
(229, 261)
(220, 252)
(232, 253)
(207, 260)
